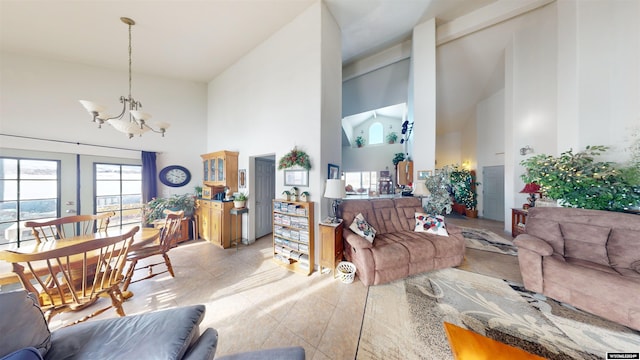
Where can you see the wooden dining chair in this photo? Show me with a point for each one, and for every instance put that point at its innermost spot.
(70, 277)
(69, 226)
(169, 235)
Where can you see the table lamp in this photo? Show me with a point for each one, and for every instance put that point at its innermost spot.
(334, 190)
(532, 189)
(420, 190)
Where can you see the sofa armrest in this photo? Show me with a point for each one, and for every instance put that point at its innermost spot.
(205, 347)
(534, 244)
(356, 241)
(287, 353)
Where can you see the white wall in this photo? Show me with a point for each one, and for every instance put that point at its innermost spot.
(448, 149)
(40, 99)
(533, 88)
(273, 99)
(599, 73)
(370, 158)
(423, 87)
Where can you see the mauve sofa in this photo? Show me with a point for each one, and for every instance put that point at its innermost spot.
(586, 258)
(397, 251)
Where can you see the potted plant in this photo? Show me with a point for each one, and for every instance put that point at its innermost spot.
(360, 141)
(579, 180)
(198, 191)
(240, 200)
(154, 209)
(463, 187)
(392, 137)
(304, 196)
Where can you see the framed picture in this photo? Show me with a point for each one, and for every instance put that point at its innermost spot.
(242, 178)
(423, 174)
(333, 172)
(296, 178)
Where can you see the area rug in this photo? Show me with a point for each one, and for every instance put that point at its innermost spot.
(491, 307)
(481, 239)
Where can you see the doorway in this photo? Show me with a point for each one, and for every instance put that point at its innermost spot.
(265, 192)
(493, 192)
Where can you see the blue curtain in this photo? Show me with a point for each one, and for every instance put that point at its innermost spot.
(149, 183)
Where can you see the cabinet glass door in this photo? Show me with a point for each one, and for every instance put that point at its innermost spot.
(205, 164)
(212, 170)
(220, 169)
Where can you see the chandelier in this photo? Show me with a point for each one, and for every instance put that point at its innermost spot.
(136, 123)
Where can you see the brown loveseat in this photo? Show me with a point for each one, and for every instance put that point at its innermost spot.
(397, 251)
(587, 258)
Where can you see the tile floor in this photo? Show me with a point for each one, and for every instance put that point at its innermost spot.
(256, 304)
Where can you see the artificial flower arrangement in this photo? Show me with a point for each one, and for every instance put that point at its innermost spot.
(293, 158)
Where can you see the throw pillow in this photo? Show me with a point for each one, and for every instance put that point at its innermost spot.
(361, 227)
(433, 224)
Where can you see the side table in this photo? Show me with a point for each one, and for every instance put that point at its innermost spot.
(233, 235)
(518, 221)
(330, 245)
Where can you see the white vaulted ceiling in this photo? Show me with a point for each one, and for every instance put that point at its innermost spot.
(197, 40)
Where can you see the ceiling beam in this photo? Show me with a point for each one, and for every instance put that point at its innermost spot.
(484, 17)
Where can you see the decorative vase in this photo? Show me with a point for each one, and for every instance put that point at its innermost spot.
(239, 204)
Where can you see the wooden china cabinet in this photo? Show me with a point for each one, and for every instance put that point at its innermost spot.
(214, 217)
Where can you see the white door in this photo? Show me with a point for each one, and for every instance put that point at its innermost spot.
(493, 192)
(265, 192)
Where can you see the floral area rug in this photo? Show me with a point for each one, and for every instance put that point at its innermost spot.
(486, 240)
(508, 313)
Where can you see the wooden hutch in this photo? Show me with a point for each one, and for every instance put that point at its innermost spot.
(214, 218)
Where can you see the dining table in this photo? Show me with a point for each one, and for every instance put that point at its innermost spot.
(143, 237)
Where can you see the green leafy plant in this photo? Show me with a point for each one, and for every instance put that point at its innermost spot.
(392, 137)
(197, 191)
(241, 197)
(293, 158)
(578, 180)
(154, 209)
(360, 141)
(397, 158)
(463, 186)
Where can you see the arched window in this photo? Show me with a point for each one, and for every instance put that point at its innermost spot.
(375, 133)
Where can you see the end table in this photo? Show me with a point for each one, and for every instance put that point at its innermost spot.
(330, 245)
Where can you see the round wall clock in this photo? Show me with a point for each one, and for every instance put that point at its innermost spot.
(175, 176)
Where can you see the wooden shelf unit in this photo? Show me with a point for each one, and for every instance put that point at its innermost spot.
(293, 235)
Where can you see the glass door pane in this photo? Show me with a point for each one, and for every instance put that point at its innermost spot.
(220, 169)
(205, 164)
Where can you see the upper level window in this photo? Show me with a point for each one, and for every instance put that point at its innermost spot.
(29, 190)
(375, 133)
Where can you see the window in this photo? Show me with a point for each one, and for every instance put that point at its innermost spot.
(361, 181)
(30, 191)
(119, 188)
(375, 133)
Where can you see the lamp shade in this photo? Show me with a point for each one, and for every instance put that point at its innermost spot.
(420, 189)
(334, 189)
(92, 107)
(530, 188)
